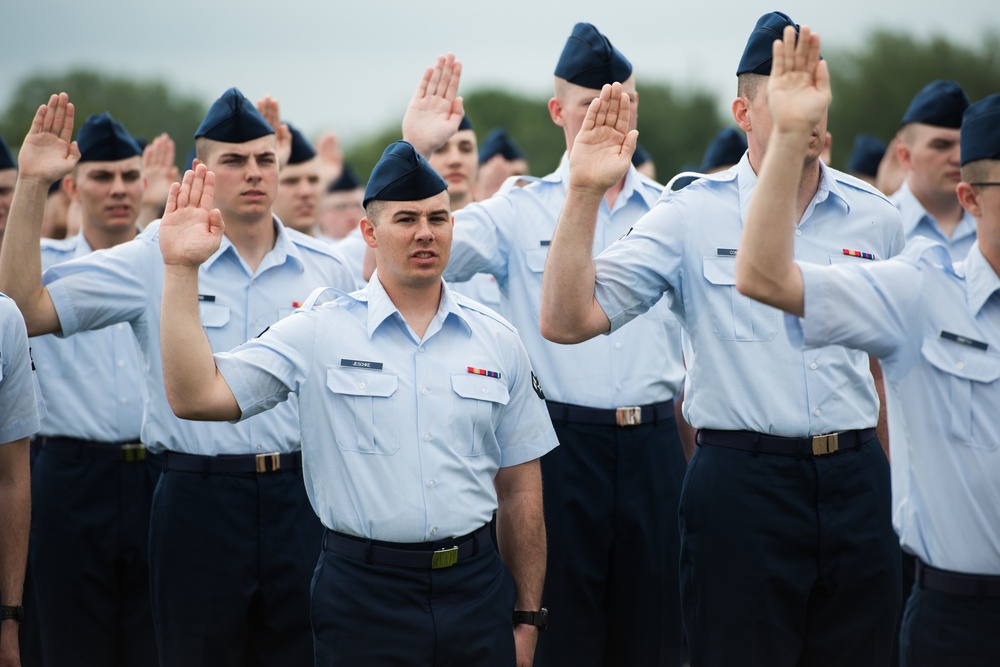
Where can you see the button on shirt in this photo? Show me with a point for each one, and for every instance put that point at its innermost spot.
(928, 322)
(19, 414)
(401, 436)
(508, 236)
(125, 284)
(743, 372)
(918, 222)
(92, 381)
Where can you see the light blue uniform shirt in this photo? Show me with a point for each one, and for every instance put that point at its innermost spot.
(125, 284)
(918, 222)
(481, 287)
(92, 382)
(401, 436)
(743, 372)
(508, 236)
(928, 322)
(19, 414)
(352, 247)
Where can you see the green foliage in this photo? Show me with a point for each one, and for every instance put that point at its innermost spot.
(147, 108)
(873, 85)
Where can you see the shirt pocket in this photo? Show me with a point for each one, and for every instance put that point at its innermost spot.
(361, 399)
(534, 259)
(478, 401)
(734, 316)
(973, 384)
(213, 315)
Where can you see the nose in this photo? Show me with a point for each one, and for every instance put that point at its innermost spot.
(424, 232)
(254, 172)
(118, 186)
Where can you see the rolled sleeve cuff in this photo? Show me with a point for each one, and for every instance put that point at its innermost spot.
(62, 300)
(232, 372)
(528, 451)
(811, 329)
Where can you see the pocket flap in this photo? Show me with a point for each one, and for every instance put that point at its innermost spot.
(360, 383)
(535, 259)
(720, 270)
(960, 360)
(213, 314)
(480, 387)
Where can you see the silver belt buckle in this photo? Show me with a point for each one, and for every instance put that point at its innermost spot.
(628, 416)
(274, 458)
(825, 444)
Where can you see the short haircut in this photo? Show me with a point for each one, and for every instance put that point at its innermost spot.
(978, 170)
(373, 210)
(748, 85)
(203, 148)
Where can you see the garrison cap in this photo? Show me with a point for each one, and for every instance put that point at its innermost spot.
(402, 174)
(347, 180)
(940, 103)
(726, 149)
(866, 154)
(302, 150)
(757, 54)
(233, 119)
(104, 139)
(466, 124)
(499, 142)
(981, 131)
(641, 156)
(589, 59)
(7, 160)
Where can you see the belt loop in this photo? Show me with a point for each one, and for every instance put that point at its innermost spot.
(368, 552)
(755, 443)
(697, 437)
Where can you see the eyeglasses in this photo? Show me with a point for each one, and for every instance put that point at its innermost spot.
(985, 183)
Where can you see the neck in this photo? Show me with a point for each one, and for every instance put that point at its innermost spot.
(460, 202)
(418, 304)
(808, 183)
(253, 239)
(100, 239)
(612, 194)
(945, 210)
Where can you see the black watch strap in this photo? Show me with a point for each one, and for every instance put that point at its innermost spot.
(540, 618)
(12, 613)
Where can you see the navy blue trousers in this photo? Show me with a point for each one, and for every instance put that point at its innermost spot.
(88, 561)
(231, 557)
(945, 629)
(788, 561)
(611, 586)
(372, 614)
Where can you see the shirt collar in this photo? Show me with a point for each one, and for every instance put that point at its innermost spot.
(633, 183)
(381, 308)
(828, 185)
(981, 280)
(284, 250)
(912, 213)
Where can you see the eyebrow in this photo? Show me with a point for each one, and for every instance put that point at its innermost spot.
(440, 211)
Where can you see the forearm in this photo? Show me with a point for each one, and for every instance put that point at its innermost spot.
(569, 311)
(765, 265)
(21, 259)
(15, 519)
(194, 387)
(521, 534)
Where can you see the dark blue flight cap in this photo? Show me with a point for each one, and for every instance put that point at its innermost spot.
(233, 119)
(466, 124)
(589, 59)
(104, 139)
(402, 174)
(866, 155)
(981, 131)
(725, 150)
(499, 142)
(641, 156)
(940, 103)
(7, 160)
(302, 150)
(348, 180)
(758, 52)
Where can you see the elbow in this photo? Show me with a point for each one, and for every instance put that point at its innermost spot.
(555, 332)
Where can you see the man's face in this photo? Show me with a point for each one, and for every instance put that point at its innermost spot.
(457, 161)
(754, 117)
(340, 212)
(412, 240)
(569, 107)
(298, 195)
(983, 202)
(246, 177)
(109, 193)
(931, 155)
(7, 179)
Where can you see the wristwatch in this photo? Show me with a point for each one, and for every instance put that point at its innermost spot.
(539, 619)
(12, 613)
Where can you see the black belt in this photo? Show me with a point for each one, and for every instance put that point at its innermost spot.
(128, 452)
(237, 464)
(421, 555)
(817, 445)
(625, 416)
(958, 583)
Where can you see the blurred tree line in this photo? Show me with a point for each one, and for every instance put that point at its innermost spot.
(872, 86)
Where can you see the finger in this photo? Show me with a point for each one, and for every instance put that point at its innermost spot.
(421, 91)
(614, 104)
(49, 115)
(39, 120)
(590, 120)
(444, 83)
(60, 113)
(208, 192)
(456, 77)
(624, 113)
(458, 108)
(802, 49)
(215, 223)
(66, 131)
(813, 55)
(602, 107)
(435, 79)
(74, 152)
(175, 189)
(183, 195)
(197, 186)
(822, 77)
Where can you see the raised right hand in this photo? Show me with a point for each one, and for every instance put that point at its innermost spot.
(435, 110)
(602, 151)
(47, 153)
(191, 230)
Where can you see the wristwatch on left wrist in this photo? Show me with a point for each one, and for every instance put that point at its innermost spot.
(12, 613)
(539, 619)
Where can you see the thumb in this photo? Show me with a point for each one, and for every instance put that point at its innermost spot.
(215, 223)
(628, 146)
(458, 107)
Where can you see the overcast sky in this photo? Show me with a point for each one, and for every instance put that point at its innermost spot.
(351, 67)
